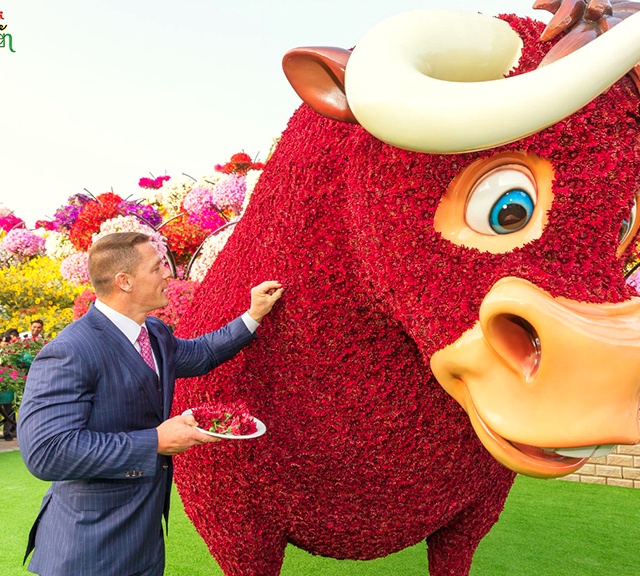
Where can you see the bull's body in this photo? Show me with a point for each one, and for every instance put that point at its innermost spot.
(365, 454)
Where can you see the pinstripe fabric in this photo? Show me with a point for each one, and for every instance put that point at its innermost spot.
(87, 423)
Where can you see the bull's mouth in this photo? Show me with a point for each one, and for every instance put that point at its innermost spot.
(530, 460)
(519, 341)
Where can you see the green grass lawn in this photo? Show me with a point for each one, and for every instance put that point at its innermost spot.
(548, 528)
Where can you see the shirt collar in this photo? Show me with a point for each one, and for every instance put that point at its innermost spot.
(128, 327)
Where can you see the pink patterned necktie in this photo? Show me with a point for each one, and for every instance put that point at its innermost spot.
(145, 348)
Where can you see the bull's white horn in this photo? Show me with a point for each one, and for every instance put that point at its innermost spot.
(433, 81)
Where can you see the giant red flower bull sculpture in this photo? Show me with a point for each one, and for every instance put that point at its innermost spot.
(448, 317)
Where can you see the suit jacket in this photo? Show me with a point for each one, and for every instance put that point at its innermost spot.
(87, 423)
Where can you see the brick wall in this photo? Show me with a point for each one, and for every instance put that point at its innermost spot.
(620, 468)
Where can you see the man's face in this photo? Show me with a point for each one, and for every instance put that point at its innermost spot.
(149, 281)
(36, 329)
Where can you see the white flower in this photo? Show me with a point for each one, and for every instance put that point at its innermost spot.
(210, 250)
(7, 258)
(152, 196)
(210, 180)
(173, 192)
(58, 246)
(251, 180)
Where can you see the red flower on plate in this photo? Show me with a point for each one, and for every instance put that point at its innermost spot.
(233, 419)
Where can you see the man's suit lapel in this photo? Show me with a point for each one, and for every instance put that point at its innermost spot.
(127, 354)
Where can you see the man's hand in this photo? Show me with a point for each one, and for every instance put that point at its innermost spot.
(263, 297)
(178, 434)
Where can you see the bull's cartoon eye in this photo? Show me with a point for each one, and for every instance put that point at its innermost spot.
(497, 203)
(502, 202)
(628, 224)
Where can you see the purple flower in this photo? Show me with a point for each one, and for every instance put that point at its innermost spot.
(66, 216)
(147, 213)
(230, 193)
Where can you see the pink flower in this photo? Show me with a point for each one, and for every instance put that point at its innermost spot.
(74, 268)
(154, 183)
(10, 221)
(23, 243)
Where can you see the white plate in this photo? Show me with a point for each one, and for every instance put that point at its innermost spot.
(261, 429)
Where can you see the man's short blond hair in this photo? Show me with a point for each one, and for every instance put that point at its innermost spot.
(112, 254)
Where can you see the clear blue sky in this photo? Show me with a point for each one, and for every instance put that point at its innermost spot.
(99, 93)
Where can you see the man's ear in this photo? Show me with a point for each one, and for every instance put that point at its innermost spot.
(122, 281)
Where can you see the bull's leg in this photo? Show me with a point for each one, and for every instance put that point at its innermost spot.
(253, 549)
(451, 548)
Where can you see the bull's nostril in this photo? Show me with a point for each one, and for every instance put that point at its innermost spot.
(516, 341)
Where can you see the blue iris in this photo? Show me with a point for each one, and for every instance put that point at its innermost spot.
(511, 212)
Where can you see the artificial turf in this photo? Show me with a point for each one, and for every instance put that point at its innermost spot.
(549, 528)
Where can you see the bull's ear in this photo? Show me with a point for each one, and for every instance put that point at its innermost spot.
(317, 76)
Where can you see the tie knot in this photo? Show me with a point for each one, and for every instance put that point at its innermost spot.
(144, 335)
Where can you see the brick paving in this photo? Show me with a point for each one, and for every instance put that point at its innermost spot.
(8, 446)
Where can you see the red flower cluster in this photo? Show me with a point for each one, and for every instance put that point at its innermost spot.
(240, 163)
(153, 183)
(92, 215)
(233, 420)
(183, 238)
(46, 224)
(180, 293)
(82, 303)
(366, 454)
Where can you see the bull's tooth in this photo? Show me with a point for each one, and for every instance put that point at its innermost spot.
(585, 451)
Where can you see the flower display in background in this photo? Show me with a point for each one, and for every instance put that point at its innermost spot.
(171, 195)
(209, 252)
(91, 216)
(180, 293)
(183, 238)
(35, 289)
(15, 362)
(240, 163)
(82, 302)
(43, 273)
(203, 212)
(74, 268)
(65, 216)
(46, 225)
(58, 246)
(10, 221)
(153, 183)
(251, 179)
(149, 214)
(7, 258)
(229, 193)
(132, 224)
(23, 243)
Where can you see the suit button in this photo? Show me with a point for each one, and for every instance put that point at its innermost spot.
(127, 474)
(165, 466)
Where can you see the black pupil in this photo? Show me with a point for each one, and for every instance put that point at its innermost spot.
(512, 216)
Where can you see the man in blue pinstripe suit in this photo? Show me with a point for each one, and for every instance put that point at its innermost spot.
(94, 416)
